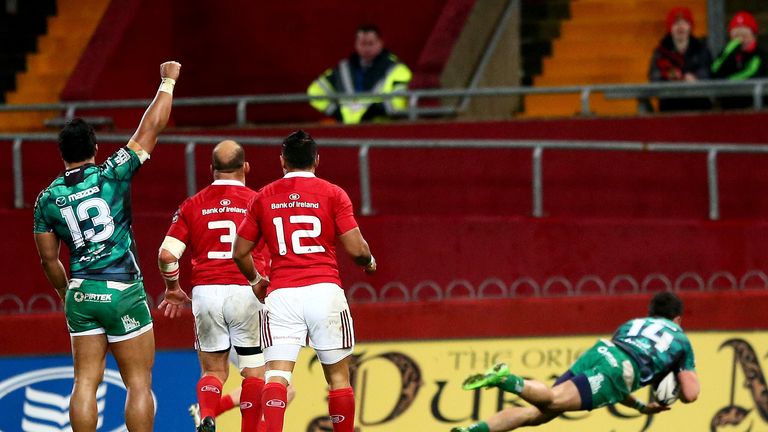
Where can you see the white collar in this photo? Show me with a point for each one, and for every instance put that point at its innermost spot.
(299, 174)
(227, 182)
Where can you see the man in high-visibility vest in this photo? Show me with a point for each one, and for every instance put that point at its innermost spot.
(370, 69)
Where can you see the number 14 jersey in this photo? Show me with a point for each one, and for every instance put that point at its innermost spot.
(299, 218)
(657, 345)
(207, 223)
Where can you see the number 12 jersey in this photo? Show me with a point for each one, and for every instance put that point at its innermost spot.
(299, 218)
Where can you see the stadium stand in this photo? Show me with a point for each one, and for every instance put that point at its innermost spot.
(21, 25)
(605, 42)
(591, 198)
(56, 53)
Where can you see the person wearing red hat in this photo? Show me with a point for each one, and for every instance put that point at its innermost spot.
(741, 58)
(680, 57)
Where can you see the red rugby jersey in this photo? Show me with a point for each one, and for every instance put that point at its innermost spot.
(299, 217)
(207, 223)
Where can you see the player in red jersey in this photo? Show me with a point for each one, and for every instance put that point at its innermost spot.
(225, 307)
(299, 217)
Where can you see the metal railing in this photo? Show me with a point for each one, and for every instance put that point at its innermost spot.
(364, 145)
(491, 288)
(754, 88)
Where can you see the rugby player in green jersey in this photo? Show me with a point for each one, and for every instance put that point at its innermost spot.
(88, 208)
(641, 352)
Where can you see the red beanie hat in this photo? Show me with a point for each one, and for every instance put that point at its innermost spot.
(745, 19)
(679, 13)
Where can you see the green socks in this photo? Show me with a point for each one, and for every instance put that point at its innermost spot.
(512, 383)
(479, 427)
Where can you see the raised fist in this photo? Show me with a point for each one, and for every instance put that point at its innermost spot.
(170, 69)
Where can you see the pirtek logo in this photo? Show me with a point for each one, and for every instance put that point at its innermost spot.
(245, 405)
(275, 403)
(335, 419)
(210, 388)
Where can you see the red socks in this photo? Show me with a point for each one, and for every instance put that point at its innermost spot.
(273, 400)
(250, 403)
(208, 395)
(341, 407)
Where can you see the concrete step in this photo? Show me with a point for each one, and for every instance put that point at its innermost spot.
(569, 105)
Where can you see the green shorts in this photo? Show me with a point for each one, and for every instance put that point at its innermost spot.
(609, 372)
(118, 309)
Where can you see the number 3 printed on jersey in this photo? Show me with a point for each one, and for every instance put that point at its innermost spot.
(228, 238)
(298, 234)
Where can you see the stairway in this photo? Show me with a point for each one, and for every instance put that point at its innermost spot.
(48, 69)
(605, 42)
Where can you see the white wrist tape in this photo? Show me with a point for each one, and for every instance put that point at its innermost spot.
(278, 373)
(371, 263)
(169, 271)
(166, 85)
(255, 280)
(173, 245)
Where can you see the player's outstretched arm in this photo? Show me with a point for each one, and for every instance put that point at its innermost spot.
(48, 249)
(689, 386)
(358, 249)
(642, 407)
(159, 111)
(175, 297)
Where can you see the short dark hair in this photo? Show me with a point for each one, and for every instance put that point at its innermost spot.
(235, 161)
(368, 28)
(665, 305)
(299, 150)
(77, 141)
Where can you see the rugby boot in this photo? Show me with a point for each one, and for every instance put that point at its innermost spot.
(194, 412)
(208, 424)
(491, 378)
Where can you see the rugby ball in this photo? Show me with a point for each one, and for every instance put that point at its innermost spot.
(667, 390)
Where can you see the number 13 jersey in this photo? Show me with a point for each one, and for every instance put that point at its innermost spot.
(299, 218)
(207, 223)
(89, 209)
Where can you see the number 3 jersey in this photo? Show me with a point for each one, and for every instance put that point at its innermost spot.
(207, 224)
(89, 209)
(299, 218)
(657, 345)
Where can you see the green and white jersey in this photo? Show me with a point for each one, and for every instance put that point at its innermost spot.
(657, 345)
(89, 209)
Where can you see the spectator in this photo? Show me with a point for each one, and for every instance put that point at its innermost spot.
(680, 57)
(741, 59)
(371, 68)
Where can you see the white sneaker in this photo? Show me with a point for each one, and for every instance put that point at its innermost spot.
(194, 411)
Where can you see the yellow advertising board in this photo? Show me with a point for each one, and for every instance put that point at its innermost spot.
(415, 386)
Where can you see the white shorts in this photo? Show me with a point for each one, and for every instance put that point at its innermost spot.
(317, 312)
(225, 316)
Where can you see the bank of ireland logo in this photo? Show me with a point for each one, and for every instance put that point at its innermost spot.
(78, 296)
(225, 202)
(337, 419)
(61, 201)
(38, 401)
(294, 196)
